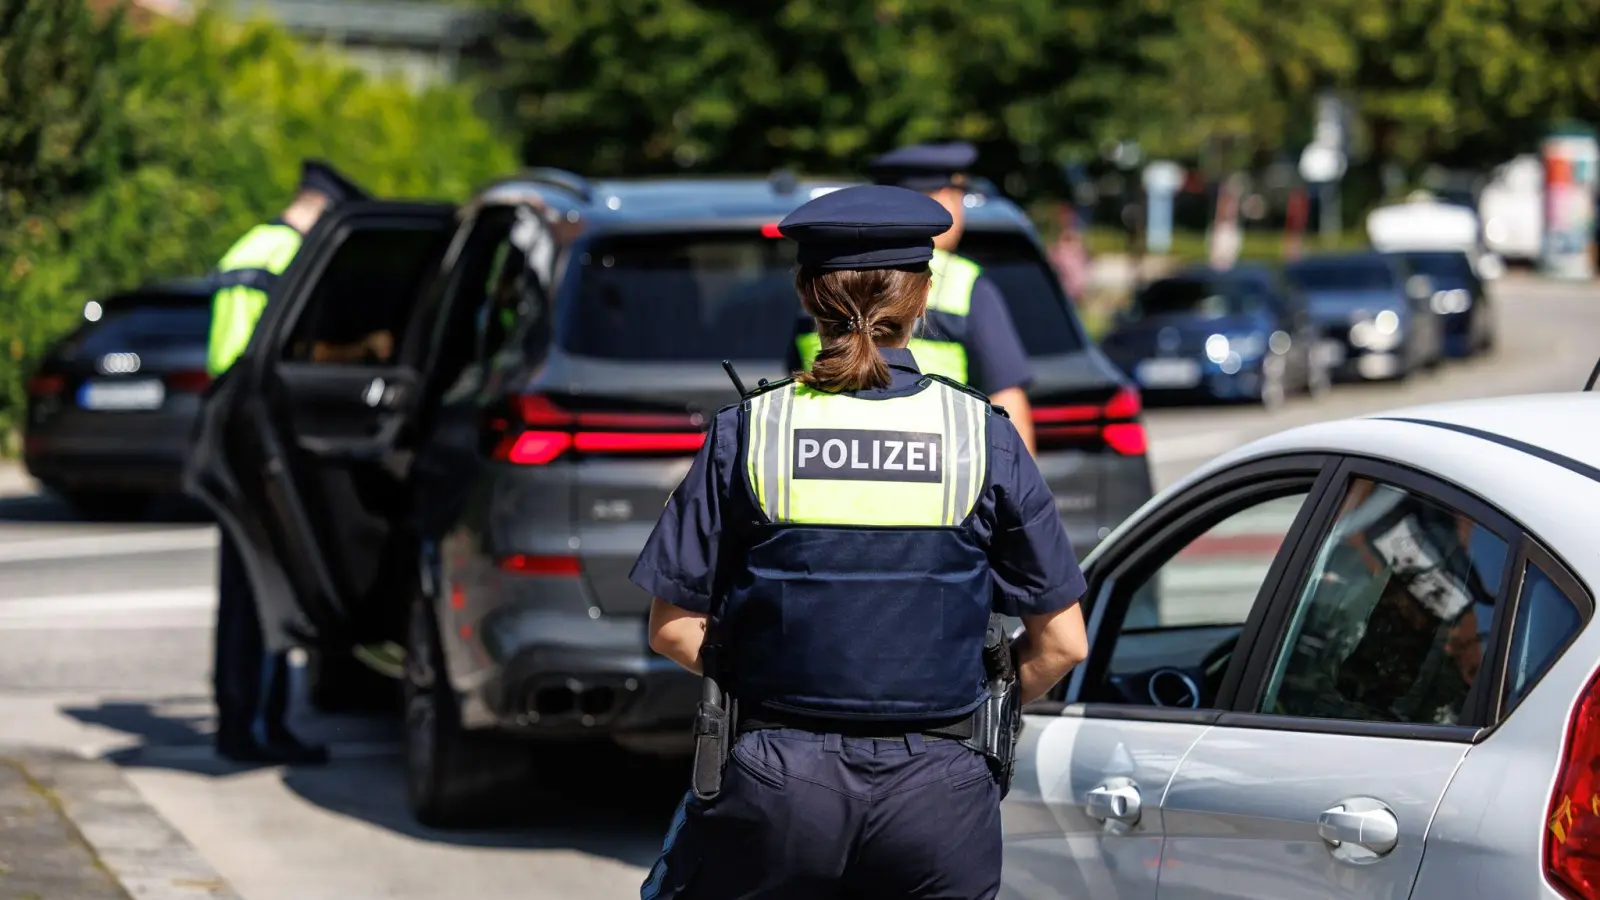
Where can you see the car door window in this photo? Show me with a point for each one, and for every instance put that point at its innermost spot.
(362, 302)
(1392, 623)
(1183, 618)
(1546, 621)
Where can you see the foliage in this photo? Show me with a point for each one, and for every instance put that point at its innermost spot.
(126, 157)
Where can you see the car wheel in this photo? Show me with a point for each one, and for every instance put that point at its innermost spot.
(337, 682)
(454, 777)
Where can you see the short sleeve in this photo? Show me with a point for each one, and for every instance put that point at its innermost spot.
(1035, 569)
(996, 357)
(679, 561)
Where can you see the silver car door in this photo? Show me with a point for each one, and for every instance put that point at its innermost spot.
(1354, 715)
(1170, 597)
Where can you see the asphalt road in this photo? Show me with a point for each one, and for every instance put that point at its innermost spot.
(105, 649)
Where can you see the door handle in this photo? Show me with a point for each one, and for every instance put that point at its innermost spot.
(1374, 829)
(1118, 802)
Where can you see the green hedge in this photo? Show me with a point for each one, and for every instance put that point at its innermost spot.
(143, 155)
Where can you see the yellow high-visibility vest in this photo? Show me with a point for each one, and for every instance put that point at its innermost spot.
(247, 274)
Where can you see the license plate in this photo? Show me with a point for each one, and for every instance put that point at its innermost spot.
(122, 395)
(1169, 373)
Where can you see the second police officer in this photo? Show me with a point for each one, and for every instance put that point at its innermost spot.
(967, 334)
(844, 537)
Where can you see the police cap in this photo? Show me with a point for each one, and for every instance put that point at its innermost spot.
(925, 167)
(320, 176)
(868, 226)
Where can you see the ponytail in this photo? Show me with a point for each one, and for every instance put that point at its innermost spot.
(856, 310)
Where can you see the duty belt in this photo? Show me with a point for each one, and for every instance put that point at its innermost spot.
(958, 730)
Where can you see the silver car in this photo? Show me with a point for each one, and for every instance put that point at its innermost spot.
(1350, 660)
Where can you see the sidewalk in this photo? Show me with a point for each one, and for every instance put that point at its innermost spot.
(14, 480)
(74, 829)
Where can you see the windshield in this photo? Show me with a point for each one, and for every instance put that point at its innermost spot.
(1032, 293)
(1342, 275)
(1445, 267)
(698, 296)
(147, 321)
(730, 295)
(1195, 297)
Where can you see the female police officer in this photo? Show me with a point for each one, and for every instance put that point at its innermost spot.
(850, 531)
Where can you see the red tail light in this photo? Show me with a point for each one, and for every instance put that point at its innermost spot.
(552, 432)
(538, 564)
(770, 230)
(1572, 835)
(46, 385)
(1114, 423)
(188, 382)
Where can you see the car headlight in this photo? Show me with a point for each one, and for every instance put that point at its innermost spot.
(1217, 347)
(1380, 333)
(1456, 300)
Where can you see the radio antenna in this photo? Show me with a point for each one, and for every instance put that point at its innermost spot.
(1594, 375)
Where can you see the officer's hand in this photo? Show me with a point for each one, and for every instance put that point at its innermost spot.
(379, 344)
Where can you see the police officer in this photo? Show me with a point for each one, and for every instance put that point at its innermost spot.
(968, 334)
(252, 688)
(845, 536)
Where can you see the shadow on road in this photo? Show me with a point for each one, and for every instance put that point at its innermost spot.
(596, 800)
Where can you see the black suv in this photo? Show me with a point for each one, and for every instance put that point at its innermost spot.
(471, 501)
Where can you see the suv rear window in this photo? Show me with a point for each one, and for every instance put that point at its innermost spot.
(1033, 295)
(147, 320)
(695, 296)
(730, 295)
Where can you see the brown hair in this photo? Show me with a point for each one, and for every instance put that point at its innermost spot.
(857, 309)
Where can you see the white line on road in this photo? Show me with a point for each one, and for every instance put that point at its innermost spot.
(1194, 446)
(66, 605)
(119, 544)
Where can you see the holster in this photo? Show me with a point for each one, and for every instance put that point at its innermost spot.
(998, 722)
(714, 723)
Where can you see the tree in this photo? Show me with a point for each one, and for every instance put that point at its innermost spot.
(128, 157)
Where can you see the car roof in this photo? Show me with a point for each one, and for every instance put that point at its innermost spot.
(172, 287)
(1350, 258)
(736, 198)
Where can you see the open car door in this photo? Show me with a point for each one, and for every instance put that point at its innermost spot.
(295, 447)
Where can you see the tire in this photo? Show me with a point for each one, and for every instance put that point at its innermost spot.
(337, 682)
(455, 778)
(108, 506)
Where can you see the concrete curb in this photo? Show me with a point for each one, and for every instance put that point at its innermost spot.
(146, 855)
(14, 479)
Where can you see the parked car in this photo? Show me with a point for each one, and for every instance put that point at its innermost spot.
(1443, 241)
(1459, 299)
(1242, 334)
(1370, 672)
(474, 503)
(111, 405)
(1374, 314)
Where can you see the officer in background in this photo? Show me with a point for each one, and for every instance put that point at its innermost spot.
(252, 689)
(834, 557)
(968, 334)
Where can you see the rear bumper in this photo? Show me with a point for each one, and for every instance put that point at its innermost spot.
(74, 450)
(121, 470)
(551, 670)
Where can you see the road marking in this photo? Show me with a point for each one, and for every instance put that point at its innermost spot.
(126, 543)
(1193, 446)
(32, 611)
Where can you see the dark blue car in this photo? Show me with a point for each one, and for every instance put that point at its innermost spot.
(1242, 334)
(1458, 298)
(1374, 314)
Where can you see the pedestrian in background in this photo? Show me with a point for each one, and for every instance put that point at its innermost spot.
(967, 334)
(252, 686)
(849, 533)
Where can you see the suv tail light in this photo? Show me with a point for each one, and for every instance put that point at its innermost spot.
(532, 564)
(189, 381)
(46, 385)
(545, 432)
(1114, 423)
(1572, 838)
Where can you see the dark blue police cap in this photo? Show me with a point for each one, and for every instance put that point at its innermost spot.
(869, 226)
(316, 175)
(924, 167)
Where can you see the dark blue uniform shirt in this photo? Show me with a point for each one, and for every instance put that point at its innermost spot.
(996, 359)
(708, 520)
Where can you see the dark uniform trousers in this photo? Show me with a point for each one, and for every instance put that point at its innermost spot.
(812, 817)
(252, 687)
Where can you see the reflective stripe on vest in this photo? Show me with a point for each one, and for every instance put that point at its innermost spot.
(942, 351)
(263, 280)
(916, 461)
